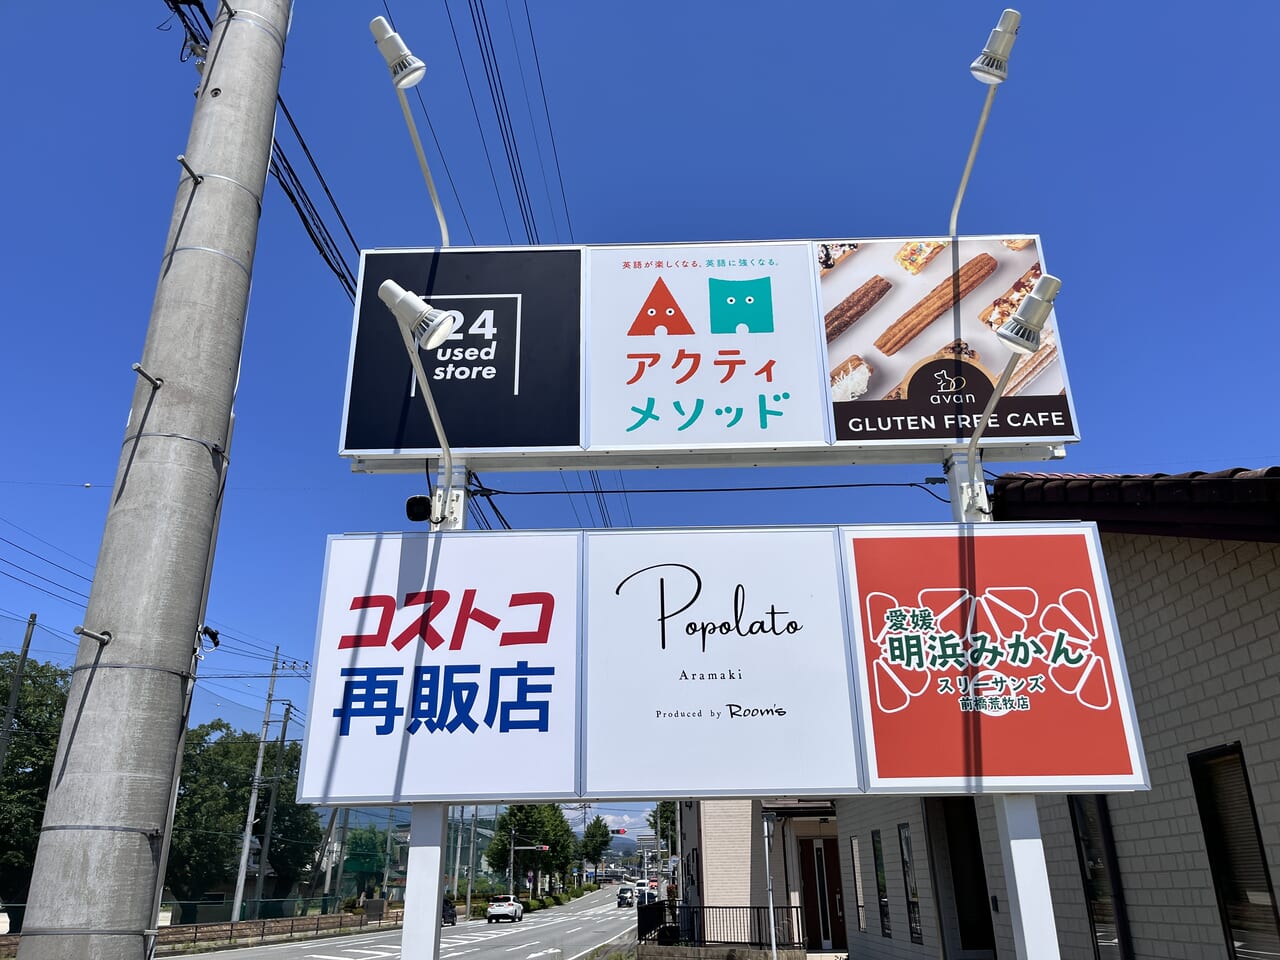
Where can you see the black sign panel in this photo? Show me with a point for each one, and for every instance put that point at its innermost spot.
(510, 378)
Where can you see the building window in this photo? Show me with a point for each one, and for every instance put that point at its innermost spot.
(855, 851)
(882, 884)
(909, 881)
(1237, 860)
(1103, 893)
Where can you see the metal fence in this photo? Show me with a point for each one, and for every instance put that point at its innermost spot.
(250, 931)
(670, 922)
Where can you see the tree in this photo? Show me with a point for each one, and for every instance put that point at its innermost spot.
(208, 820)
(662, 821)
(208, 824)
(366, 856)
(28, 767)
(534, 824)
(595, 841)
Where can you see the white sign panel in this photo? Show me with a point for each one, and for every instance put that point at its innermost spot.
(445, 667)
(707, 345)
(716, 664)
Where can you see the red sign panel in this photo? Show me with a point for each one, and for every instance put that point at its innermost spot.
(989, 660)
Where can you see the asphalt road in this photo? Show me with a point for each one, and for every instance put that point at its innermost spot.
(568, 932)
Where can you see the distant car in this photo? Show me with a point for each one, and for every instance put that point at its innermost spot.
(504, 907)
(448, 913)
(626, 897)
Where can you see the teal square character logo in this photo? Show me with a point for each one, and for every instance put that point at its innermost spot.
(739, 304)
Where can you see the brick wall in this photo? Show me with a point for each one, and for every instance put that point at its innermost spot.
(1199, 622)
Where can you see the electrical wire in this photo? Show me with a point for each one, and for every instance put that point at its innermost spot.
(537, 144)
(490, 491)
(506, 221)
(550, 130)
(497, 94)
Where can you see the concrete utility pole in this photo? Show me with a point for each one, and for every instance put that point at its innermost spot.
(237, 900)
(263, 856)
(15, 685)
(108, 799)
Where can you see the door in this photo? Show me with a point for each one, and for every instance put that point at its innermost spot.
(822, 893)
(955, 855)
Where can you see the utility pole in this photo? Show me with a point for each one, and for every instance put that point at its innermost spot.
(238, 901)
(511, 864)
(471, 858)
(108, 801)
(15, 685)
(342, 857)
(386, 863)
(324, 855)
(264, 854)
(457, 857)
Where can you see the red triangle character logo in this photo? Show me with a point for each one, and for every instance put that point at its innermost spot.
(660, 311)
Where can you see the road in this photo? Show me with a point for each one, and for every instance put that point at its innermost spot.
(568, 932)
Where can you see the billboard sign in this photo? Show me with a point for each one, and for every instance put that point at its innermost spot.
(510, 377)
(445, 666)
(747, 662)
(710, 650)
(703, 345)
(796, 352)
(988, 660)
(912, 353)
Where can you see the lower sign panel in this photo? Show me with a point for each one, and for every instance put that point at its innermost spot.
(717, 665)
(445, 668)
(989, 660)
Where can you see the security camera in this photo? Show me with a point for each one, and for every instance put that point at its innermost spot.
(418, 508)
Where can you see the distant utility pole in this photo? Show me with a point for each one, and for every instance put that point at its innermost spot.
(108, 800)
(457, 858)
(471, 858)
(15, 685)
(238, 900)
(386, 865)
(271, 814)
(342, 857)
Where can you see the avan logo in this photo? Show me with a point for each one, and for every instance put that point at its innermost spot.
(949, 388)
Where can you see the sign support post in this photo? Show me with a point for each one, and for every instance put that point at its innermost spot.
(424, 878)
(1026, 875)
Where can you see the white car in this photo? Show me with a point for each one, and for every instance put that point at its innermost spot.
(504, 907)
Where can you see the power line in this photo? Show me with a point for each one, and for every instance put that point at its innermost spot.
(488, 491)
(479, 127)
(546, 109)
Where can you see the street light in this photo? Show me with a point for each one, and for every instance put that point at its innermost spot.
(407, 71)
(423, 327)
(992, 68)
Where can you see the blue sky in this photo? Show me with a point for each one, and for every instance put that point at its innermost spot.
(1131, 137)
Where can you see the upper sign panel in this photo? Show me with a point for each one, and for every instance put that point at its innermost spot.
(792, 352)
(912, 352)
(509, 378)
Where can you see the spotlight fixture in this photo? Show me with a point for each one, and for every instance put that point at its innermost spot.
(992, 65)
(427, 326)
(406, 69)
(1021, 333)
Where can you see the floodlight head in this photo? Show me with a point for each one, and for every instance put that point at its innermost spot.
(427, 326)
(406, 69)
(1021, 332)
(992, 65)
